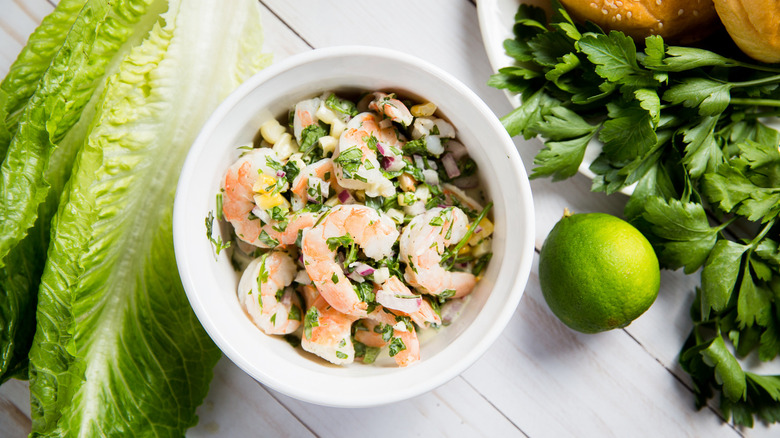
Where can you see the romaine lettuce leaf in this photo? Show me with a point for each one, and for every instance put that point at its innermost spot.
(22, 78)
(118, 350)
(42, 148)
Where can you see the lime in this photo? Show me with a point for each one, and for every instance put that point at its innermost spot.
(597, 272)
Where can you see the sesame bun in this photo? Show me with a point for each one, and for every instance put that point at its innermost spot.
(754, 25)
(677, 21)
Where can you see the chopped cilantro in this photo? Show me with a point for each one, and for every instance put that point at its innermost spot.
(386, 330)
(291, 170)
(267, 240)
(342, 106)
(350, 161)
(312, 319)
(415, 147)
(446, 293)
(396, 346)
(310, 136)
(341, 355)
(295, 313)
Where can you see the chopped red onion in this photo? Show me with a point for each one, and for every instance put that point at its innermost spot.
(457, 149)
(280, 173)
(344, 196)
(387, 162)
(450, 166)
(381, 149)
(467, 182)
(364, 269)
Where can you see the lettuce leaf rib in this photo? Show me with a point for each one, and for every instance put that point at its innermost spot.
(40, 155)
(118, 350)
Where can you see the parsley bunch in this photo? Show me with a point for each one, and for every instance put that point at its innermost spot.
(686, 125)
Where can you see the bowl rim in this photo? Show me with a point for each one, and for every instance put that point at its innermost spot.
(517, 285)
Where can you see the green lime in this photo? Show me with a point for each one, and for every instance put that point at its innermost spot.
(597, 272)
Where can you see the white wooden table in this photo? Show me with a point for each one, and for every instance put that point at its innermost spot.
(540, 378)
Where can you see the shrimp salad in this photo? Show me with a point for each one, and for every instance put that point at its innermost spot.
(357, 224)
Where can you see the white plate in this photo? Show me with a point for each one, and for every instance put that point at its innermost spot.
(496, 19)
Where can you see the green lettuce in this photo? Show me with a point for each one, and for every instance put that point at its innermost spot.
(48, 120)
(118, 350)
(22, 79)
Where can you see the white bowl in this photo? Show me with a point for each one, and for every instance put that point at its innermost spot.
(211, 284)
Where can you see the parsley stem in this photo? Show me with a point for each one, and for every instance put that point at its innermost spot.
(762, 81)
(760, 236)
(755, 102)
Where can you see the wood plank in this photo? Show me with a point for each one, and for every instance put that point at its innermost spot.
(14, 409)
(455, 409)
(237, 406)
(19, 20)
(557, 382)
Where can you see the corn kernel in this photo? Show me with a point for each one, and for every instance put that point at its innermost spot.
(271, 131)
(326, 114)
(328, 143)
(337, 128)
(465, 250)
(285, 146)
(423, 109)
(485, 228)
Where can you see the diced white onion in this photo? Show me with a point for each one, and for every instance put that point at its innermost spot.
(381, 275)
(262, 214)
(431, 177)
(418, 161)
(421, 127)
(446, 130)
(302, 277)
(433, 144)
(403, 303)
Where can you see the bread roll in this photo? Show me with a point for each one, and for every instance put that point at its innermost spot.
(677, 21)
(754, 25)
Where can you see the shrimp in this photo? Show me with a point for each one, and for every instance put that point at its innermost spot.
(373, 231)
(385, 328)
(356, 163)
(324, 171)
(239, 202)
(326, 332)
(304, 114)
(263, 293)
(422, 243)
(396, 297)
(392, 108)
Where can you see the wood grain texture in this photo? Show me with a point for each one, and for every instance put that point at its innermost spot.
(540, 378)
